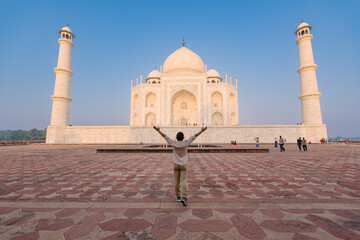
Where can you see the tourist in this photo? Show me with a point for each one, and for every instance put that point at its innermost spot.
(180, 158)
(257, 141)
(304, 144)
(299, 143)
(276, 142)
(281, 143)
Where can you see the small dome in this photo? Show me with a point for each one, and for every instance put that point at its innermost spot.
(68, 30)
(303, 25)
(183, 60)
(213, 73)
(154, 74)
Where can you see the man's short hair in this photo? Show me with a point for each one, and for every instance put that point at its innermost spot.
(180, 136)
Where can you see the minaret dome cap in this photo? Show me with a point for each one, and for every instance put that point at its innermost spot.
(303, 25)
(67, 30)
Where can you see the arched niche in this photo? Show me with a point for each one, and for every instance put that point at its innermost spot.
(150, 100)
(232, 101)
(136, 102)
(183, 108)
(217, 119)
(150, 119)
(135, 120)
(233, 119)
(216, 99)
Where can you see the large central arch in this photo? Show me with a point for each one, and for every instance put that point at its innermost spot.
(183, 108)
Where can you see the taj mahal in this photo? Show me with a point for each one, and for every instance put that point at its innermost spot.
(185, 95)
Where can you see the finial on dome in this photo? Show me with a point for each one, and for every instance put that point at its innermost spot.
(302, 20)
(155, 67)
(67, 25)
(183, 42)
(211, 67)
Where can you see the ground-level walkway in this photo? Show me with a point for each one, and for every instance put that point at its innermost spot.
(71, 192)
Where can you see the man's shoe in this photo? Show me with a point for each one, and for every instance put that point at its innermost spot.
(184, 201)
(178, 199)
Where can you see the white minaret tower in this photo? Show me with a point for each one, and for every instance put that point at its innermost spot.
(309, 96)
(61, 98)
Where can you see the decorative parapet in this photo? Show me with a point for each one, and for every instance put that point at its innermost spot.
(63, 70)
(313, 95)
(307, 68)
(304, 37)
(66, 41)
(191, 88)
(58, 98)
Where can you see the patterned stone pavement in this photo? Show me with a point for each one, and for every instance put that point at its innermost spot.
(71, 192)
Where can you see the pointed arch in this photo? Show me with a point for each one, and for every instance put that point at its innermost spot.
(150, 100)
(136, 102)
(233, 119)
(232, 101)
(217, 119)
(216, 99)
(183, 108)
(150, 119)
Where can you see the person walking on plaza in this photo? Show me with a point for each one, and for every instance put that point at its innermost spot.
(180, 158)
(276, 142)
(299, 143)
(257, 141)
(304, 144)
(281, 143)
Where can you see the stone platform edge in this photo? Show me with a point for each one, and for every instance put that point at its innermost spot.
(191, 150)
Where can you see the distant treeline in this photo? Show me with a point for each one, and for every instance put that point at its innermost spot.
(23, 135)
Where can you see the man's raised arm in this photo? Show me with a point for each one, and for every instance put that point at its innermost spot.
(160, 132)
(203, 129)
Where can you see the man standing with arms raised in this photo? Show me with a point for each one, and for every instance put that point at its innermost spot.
(180, 157)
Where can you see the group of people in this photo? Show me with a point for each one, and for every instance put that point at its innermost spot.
(180, 158)
(281, 142)
(302, 142)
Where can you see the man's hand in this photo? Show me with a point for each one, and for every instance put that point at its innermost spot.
(203, 129)
(158, 130)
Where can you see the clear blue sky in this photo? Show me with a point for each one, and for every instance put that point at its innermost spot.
(116, 41)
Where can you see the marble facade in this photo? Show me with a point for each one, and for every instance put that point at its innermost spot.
(184, 95)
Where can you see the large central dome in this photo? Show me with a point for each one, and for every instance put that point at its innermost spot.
(183, 60)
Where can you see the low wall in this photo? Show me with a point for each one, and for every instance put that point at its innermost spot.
(127, 134)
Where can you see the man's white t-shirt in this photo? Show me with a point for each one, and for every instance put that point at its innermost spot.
(180, 155)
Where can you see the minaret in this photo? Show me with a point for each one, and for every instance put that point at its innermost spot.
(61, 98)
(309, 94)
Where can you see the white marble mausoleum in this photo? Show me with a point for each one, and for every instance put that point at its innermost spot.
(184, 95)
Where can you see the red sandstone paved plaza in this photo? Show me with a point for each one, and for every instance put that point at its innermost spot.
(71, 192)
